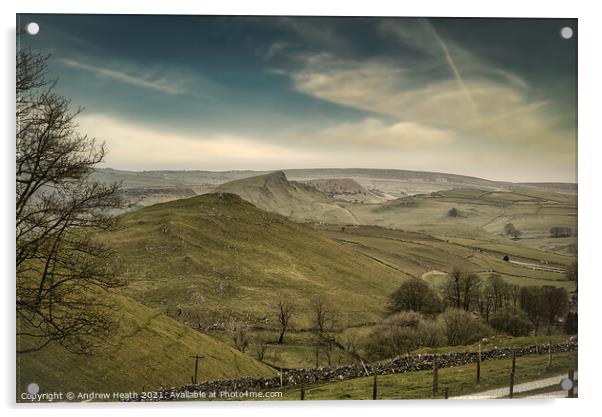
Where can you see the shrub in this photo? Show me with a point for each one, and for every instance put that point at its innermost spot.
(415, 295)
(560, 231)
(512, 231)
(402, 333)
(511, 323)
(462, 327)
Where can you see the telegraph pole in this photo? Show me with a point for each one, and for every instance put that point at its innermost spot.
(196, 368)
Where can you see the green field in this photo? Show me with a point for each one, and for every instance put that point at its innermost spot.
(460, 380)
(421, 255)
(482, 216)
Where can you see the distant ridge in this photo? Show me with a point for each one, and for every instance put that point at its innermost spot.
(274, 192)
(396, 181)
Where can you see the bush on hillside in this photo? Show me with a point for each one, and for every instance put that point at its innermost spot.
(513, 324)
(462, 327)
(512, 231)
(402, 333)
(415, 295)
(560, 231)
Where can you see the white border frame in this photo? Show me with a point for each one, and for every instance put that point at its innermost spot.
(590, 68)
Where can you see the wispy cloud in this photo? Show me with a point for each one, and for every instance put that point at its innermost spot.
(507, 111)
(434, 97)
(171, 81)
(455, 70)
(162, 85)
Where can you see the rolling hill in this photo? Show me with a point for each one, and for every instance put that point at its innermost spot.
(390, 183)
(299, 201)
(479, 214)
(214, 258)
(147, 350)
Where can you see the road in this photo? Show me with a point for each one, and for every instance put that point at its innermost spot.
(525, 386)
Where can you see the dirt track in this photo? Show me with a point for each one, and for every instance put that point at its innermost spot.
(524, 387)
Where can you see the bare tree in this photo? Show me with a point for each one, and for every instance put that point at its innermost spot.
(239, 332)
(462, 289)
(323, 316)
(284, 309)
(471, 286)
(59, 266)
(453, 288)
(260, 346)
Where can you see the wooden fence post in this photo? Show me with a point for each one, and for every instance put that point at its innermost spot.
(479, 366)
(374, 387)
(512, 374)
(446, 393)
(513, 361)
(549, 356)
(302, 393)
(435, 376)
(571, 393)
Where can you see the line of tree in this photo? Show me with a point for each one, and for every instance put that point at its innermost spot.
(323, 318)
(507, 307)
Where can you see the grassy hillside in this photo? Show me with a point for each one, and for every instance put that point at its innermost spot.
(147, 350)
(215, 258)
(299, 201)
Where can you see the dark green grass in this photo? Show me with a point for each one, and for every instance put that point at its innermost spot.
(460, 380)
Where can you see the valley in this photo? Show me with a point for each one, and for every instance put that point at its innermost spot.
(201, 257)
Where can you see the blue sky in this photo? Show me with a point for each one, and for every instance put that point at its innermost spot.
(494, 98)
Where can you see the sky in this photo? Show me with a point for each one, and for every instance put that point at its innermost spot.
(491, 98)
